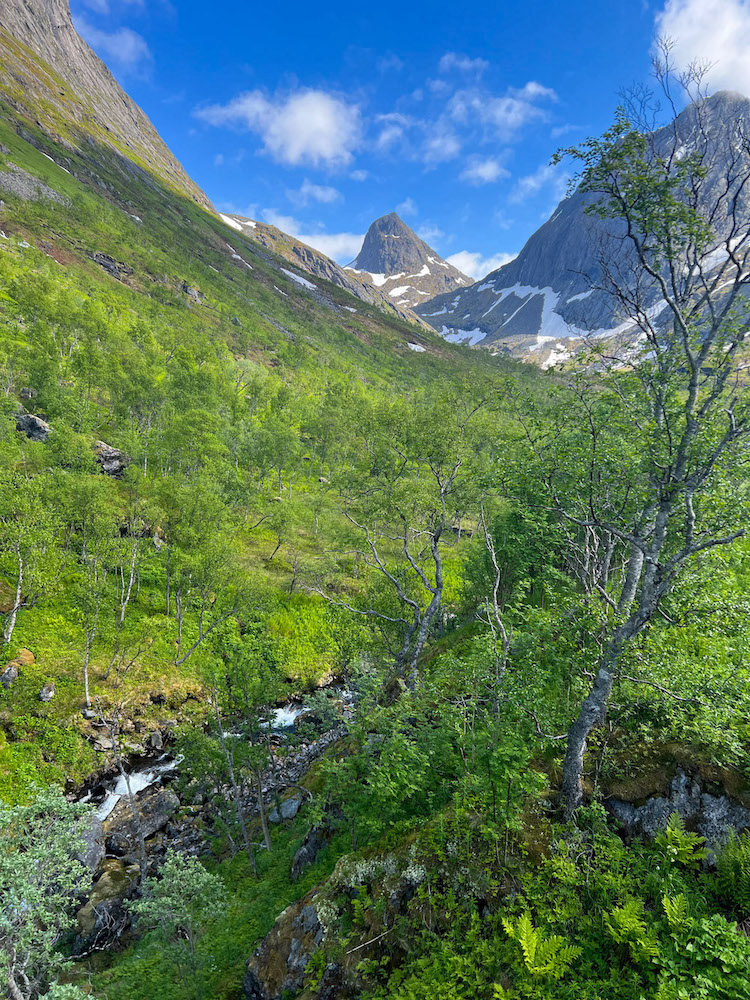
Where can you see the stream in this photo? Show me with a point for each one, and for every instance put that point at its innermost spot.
(145, 771)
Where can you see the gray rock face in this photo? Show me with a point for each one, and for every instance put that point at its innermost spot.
(111, 460)
(32, 426)
(90, 99)
(91, 851)
(277, 968)
(712, 815)
(540, 305)
(398, 262)
(289, 809)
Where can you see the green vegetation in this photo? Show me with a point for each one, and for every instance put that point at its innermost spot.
(534, 585)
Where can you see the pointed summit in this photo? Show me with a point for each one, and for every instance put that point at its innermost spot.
(396, 260)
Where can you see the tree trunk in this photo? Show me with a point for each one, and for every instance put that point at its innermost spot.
(262, 810)
(593, 709)
(11, 622)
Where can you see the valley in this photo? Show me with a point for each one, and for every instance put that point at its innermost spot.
(371, 631)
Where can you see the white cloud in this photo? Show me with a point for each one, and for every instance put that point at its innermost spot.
(407, 207)
(713, 31)
(308, 192)
(545, 178)
(219, 160)
(124, 47)
(359, 175)
(506, 114)
(452, 60)
(430, 232)
(475, 265)
(102, 6)
(441, 144)
(308, 126)
(483, 170)
(341, 247)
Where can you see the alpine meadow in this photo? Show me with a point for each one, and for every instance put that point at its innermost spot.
(374, 622)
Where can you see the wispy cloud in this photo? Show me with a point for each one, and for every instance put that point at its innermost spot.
(475, 265)
(407, 207)
(547, 178)
(483, 170)
(307, 192)
(306, 126)
(341, 247)
(452, 60)
(123, 47)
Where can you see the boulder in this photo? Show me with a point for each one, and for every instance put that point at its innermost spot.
(10, 675)
(155, 808)
(287, 811)
(32, 426)
(192, 293)
(25, 657)
(155, 741)
(48, 691)
(91, 850)
(27, 393)
(111, 460)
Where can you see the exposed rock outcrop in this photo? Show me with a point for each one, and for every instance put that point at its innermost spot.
(111, 460)
(402, 266)
(713, 814)
(33, 426)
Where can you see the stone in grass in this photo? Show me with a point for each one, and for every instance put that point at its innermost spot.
(10, 675)
(48, 691)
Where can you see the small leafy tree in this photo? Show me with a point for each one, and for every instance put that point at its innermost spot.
(40, 880)
(638, 456)
(178, 905)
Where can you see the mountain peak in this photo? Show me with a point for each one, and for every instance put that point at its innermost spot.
(407, 269)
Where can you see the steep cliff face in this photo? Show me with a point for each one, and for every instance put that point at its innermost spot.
(49, 74)
(541, 305)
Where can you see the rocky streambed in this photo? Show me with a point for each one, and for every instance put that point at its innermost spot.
(172, 816)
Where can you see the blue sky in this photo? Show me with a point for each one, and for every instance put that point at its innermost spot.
(319, 118)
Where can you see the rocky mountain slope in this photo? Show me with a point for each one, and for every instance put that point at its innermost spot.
(319, 266)
(50, 75)
(541, 305)
(396, 261)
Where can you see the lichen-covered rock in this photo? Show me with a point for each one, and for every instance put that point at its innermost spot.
(32, 426)
(48, 691)
(25, 658)
(103, 919)
(713, 816)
